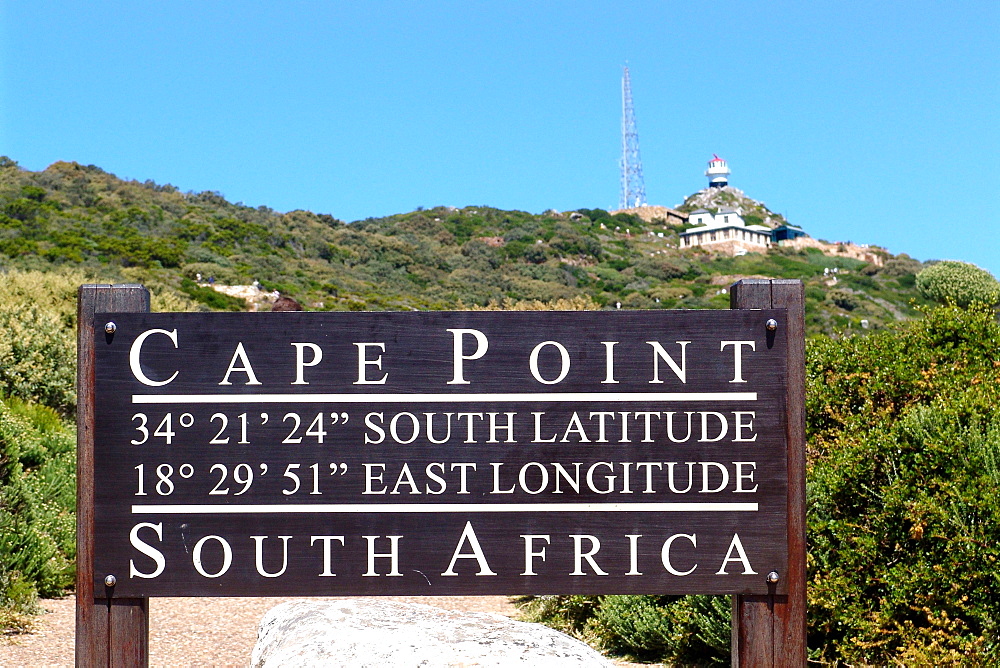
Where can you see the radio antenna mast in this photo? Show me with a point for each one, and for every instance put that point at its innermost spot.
(633, 191)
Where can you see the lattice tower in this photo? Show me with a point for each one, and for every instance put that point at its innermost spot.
(633, 192)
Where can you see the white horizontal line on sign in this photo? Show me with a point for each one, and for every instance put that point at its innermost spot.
(360, 508)
(611, 397)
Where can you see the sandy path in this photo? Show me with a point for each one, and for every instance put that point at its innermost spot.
(187, 631)
(190, 631)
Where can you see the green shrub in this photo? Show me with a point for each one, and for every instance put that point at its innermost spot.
(903, 476)
(37, 357)
(51, 291)
(37, 502)
(959, 282)
(594, 214)
(901, 265)
(904, 510)
(815, 293)
(18, 602)
(575, 304)
(845, 299)
(569, 614)
(662, 267)
(633, 625)
(638, 300)
(685, 630)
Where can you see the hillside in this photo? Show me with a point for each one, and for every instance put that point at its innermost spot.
(81, 216)
(903, 452)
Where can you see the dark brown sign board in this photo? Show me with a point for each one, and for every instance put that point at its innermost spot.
(440, 453)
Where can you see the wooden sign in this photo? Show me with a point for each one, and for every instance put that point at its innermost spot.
(440, 453)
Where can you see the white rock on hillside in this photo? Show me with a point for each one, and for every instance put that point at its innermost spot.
(367, 632)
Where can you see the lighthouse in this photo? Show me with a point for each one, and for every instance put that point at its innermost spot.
(717, 172)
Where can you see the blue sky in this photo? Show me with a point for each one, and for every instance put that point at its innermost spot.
(872, 122)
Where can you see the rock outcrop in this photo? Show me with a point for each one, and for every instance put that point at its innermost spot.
(371, 632)
(650, 213)
(714, 199)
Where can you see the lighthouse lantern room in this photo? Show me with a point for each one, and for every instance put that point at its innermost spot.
(717, 172)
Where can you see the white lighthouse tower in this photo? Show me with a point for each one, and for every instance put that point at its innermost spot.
(717, 172)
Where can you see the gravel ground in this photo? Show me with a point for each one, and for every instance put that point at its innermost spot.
(192, 631)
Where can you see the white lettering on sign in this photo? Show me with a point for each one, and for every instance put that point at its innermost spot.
(609, 361)
(469, 536)
(459, 356)
(741, 557)
(327, 540)
(300, 363)
(633, 554)
(425, 456)
(677, 554)
(563, 359)
(240, 355)
(392, 555)
(665, 554)
(136, 351)
(227, 556)
(259, 544)
(738, 357)
(405, 428)
(530, 553)
(147, 550)
(364, 363)
(660, 354)
(579, 555)
(370, 360)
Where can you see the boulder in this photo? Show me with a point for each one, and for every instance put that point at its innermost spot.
(381, 633)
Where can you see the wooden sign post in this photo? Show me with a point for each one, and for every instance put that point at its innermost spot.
(109, 631)
(435, 453)
(771, 630)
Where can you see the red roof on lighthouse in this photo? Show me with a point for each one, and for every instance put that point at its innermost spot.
(715, 158)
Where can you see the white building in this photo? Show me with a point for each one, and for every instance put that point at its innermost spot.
(725, 227)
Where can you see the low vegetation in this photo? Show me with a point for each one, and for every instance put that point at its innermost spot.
(903, 511)
(37, 503)
(904, 443)
(70, 215)
(38, 434)
(958, 282)
(37, 440)
(904, 507)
